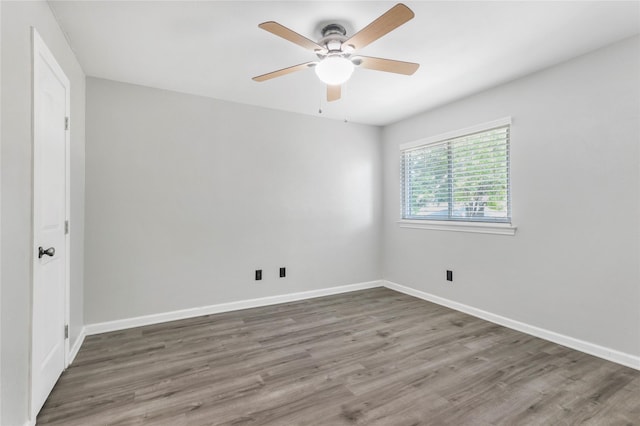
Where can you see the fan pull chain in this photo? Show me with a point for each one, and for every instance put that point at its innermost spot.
(345, 95)
(320, 104)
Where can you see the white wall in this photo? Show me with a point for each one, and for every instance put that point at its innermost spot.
(572, 267)
(16, 176)
(187, 196)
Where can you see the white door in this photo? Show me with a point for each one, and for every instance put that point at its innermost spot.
(50, 202)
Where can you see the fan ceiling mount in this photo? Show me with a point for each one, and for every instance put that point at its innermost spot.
(335, 50)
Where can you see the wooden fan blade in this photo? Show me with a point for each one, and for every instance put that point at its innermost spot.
(292, 36)
(388, 65)
(333, 93)
(389, 21)
(283, 71)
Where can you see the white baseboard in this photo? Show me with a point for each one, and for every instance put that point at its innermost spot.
(570, 342)
(76, 345)
(122, 324)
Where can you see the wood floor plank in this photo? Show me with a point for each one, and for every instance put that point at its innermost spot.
(372, 357)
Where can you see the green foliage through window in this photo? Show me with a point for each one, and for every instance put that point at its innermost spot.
(464, 178)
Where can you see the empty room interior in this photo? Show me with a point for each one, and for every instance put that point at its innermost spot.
(320, 213)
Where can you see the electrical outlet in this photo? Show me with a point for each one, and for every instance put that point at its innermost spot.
(449, 275)
(283, 272)
(258, 274)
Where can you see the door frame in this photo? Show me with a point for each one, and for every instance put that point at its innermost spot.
(42, 56)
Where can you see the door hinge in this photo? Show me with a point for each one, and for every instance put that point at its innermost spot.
(66, 331)
(66, 227)
(66, 123)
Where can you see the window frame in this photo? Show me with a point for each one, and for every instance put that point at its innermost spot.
(459, 224)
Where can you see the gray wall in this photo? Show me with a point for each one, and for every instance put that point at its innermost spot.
(187, 196)
(16, 177)
(572, 267)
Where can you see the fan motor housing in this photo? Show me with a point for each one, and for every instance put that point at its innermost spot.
(333, 35)
(333, 29)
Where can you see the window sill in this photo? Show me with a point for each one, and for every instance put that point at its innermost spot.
(476, 227)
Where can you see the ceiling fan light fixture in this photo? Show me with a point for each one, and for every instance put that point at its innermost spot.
(335, 50)
(334, 70)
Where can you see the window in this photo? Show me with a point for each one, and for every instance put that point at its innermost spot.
(462, 176)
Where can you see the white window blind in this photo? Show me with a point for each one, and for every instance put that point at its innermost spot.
(464, 178)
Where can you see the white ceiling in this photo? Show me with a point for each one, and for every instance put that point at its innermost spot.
(213, 48)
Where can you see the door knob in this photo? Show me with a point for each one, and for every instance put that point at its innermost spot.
(49, 252)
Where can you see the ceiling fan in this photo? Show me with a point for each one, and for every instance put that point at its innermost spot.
(335, 50)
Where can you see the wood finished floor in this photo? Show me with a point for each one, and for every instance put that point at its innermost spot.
(372, 357)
